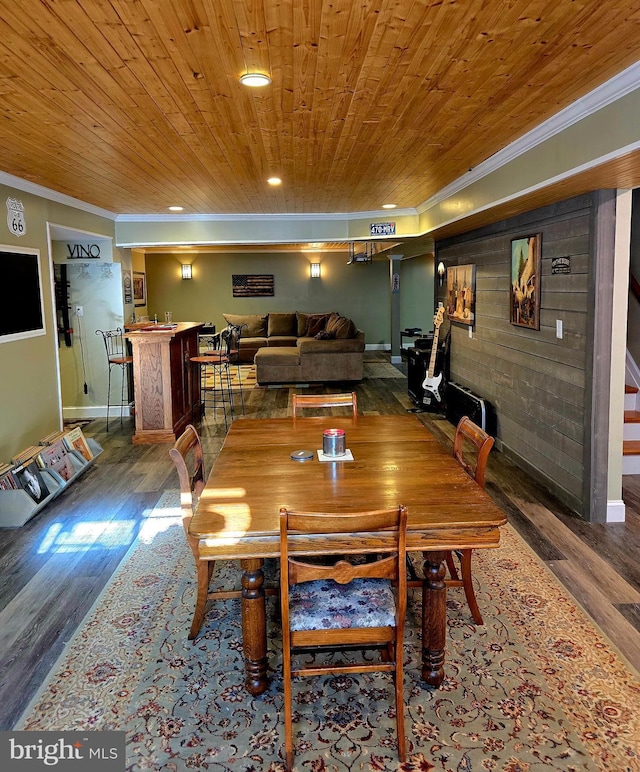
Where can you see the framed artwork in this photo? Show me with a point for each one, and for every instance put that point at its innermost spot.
(461, 294)
(525, 281)
(139, 288)
(245, 285)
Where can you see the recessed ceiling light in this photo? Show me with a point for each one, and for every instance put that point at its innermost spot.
(274, 181)
(255, 79)
(176, 208)
(389, 206)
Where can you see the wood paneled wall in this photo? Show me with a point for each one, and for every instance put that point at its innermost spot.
(539, 385)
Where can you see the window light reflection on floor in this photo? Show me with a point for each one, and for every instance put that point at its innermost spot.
(86, 535)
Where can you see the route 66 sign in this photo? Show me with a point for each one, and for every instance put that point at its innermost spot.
(15, 217)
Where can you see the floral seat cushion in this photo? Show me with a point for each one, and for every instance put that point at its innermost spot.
(327, 605)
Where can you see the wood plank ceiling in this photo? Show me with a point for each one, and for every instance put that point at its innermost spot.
(134, 105)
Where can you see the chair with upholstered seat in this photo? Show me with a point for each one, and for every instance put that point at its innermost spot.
(117, 356)
(300, 401)
(345, 606)
(471, 448)
(188, 457)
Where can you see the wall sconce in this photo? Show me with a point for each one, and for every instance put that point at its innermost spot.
(315, 270)
(186, 271)
(440, 273)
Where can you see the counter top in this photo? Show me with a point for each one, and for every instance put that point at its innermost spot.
(144, 329)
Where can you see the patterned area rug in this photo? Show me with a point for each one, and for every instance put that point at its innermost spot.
(245, 375)
(537, 687)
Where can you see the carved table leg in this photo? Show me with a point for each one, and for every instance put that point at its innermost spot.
(254, 626)
(434, 618)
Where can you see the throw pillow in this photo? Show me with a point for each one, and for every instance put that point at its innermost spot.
(302, 321)
(324, 335)
(314, 325)
(342, 327)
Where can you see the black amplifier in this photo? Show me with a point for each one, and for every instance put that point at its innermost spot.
(424, 344)
(462, 401)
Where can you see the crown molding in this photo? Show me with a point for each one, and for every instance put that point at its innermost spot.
(614, 89)
(249, 217)
(52, 195)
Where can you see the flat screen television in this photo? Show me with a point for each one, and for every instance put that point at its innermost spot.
(22, 307)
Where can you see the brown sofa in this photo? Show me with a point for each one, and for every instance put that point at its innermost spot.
(299, 347)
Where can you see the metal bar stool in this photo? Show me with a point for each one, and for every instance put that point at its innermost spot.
(117, 356)
(231, 346)
(215, 379)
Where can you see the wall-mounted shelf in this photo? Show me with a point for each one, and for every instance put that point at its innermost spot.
(17, 507)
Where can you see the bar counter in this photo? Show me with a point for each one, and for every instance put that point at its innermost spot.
(166, 387)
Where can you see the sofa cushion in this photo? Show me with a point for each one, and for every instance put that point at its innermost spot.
(282, 324)
(342, 346)
(278, 355)
(302, 321)
(341, 327)
(282, 340)
(256, 324)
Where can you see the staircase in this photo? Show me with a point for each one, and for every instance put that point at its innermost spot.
(631, 433)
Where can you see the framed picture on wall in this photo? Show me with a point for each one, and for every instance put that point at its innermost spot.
(461, 294)
(139, 288)
(525, 281)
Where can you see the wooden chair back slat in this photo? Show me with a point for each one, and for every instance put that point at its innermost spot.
(317, 401)
(482, 443)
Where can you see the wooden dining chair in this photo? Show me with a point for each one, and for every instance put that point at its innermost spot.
(300, 401)
(188, 457)
(344, 605)
(471, 448)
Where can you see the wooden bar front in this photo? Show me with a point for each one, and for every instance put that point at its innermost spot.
(166, 387)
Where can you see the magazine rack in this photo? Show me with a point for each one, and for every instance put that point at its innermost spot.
(16, 506)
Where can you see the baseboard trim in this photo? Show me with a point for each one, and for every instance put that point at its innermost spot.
(94, 411)
(615, 512)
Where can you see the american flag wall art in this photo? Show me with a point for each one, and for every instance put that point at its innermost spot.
(249, 285)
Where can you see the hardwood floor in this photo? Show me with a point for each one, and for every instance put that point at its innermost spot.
(55, 566)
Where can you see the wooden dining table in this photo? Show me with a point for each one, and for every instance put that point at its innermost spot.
(396, 460)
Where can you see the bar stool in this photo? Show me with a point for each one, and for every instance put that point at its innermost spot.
(215, 379)
(117, 356)
(231, 346)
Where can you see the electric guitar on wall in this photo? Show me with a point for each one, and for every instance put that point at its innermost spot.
(433, 386)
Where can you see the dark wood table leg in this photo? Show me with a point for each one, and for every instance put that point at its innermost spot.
(254, 626)
(434, 618)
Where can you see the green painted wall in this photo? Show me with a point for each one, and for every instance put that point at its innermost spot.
(360, 291)
(416, 293)
(29, 368)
